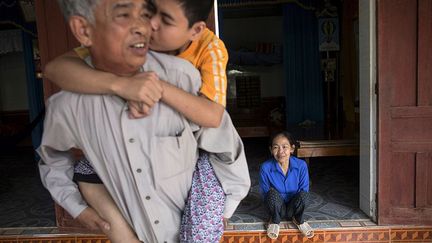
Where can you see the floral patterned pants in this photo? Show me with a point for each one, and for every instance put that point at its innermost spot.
(202, 220)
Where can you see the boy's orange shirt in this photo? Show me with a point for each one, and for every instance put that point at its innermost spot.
(210, 56)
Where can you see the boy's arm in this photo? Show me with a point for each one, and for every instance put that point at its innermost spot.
(211, 64)
(71, 73)
(197, 109)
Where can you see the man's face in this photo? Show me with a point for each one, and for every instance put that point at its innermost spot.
(170, 27)
(120, 36)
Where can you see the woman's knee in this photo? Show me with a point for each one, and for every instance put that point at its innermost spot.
(274, 197)
(302, 197)
(273, 200)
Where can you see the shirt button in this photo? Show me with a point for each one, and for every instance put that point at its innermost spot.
(156, 221)
(148, 197)
(138, 170)
(131, 140)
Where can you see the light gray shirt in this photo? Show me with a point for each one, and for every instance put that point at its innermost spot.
(145, 164)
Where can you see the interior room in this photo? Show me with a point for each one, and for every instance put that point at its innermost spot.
(293, 66)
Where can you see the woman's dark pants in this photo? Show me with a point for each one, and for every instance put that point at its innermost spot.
(293, 209)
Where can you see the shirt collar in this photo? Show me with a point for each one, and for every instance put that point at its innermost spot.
(294, 164)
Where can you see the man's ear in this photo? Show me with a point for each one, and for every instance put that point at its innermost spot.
(81, 29)
(197, 29)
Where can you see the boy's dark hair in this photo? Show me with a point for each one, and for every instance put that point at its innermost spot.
(196, 10)
(151, 7)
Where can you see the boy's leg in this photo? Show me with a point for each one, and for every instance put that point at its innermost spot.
(296, 207)
(100, 200)
(275, 205)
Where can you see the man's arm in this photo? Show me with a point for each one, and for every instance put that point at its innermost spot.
(56, 165)
(71, 73)
(56, 170)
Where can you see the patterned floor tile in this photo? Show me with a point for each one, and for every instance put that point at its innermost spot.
(348, 236)
(12, 231)
(249, 227)
(245, 237)
(411, 235)
(294, 237)
(324, 224)
(378, 234)
(368, 223)
(4, 239)
(37, 231)
(350, 224)
(57, 239)
(291, 225)
(95, 239)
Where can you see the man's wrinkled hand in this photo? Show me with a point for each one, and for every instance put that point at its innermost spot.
(225, 222)
(91, 220)
(138, 109)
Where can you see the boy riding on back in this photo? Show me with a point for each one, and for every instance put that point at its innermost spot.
(173, 32)
(178, 28)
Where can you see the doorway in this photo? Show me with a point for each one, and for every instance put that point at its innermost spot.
(269, 69)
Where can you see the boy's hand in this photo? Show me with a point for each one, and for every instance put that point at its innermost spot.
(91, 220)
(143, 91)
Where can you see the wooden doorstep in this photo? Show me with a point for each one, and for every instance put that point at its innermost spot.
(367, 234)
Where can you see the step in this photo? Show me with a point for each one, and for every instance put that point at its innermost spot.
(370, 234)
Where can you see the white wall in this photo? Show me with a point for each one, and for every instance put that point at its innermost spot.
(13, 87)
(368, 103)
(246, 33)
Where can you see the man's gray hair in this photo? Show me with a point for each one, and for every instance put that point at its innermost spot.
(83, 8)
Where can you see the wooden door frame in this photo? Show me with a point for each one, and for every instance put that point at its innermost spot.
(404, 142)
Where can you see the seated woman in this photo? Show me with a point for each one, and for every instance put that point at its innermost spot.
(284, 184)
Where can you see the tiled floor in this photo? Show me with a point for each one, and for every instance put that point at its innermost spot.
(324, 217)
(373, 234)
(334, 192)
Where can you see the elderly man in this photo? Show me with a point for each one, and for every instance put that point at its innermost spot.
(145, 164)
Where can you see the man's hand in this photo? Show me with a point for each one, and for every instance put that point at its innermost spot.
(225, 222)
(91, 220)
(142, 91)
(138, 109)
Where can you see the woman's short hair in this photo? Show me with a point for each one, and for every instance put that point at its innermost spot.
(285, 134)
